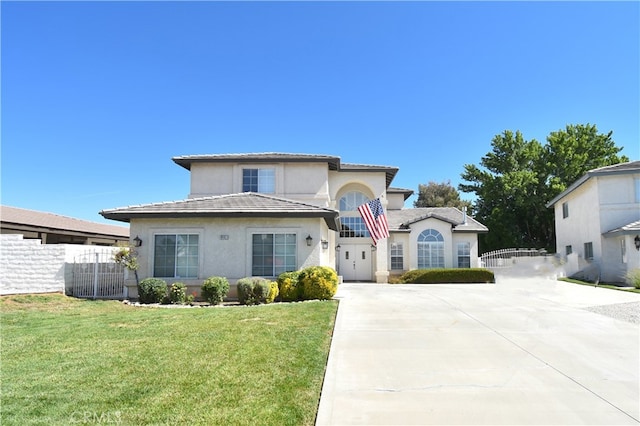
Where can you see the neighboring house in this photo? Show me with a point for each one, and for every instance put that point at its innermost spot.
(598, 218)
(267, 213)
(55, 229)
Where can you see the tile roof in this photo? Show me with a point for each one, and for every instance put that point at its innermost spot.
(257, 157)
(401, 220)
(394, 190)
(18, 216)
(615, 169)
(242, 205)
(333, 162)
(632, 227)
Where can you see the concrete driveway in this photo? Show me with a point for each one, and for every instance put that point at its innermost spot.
(521, 351)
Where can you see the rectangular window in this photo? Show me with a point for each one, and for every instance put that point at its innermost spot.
(430, 255)
(353, 227)
(397, 256)
(464, 255)
(637, 184)
(259, 180)
(565, 210)
(588, 251)
(623, 250)
(568, 250)
(273, 254)
(176, 256)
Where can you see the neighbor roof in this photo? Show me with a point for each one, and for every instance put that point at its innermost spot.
(631, 228)
(333, 162)
(616, 169)
(243, 205)
(21, 218)
(401, 220)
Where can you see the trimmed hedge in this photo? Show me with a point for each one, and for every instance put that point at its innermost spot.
(256, 290)
(318, 282)
(152, 290)
(177, 293)
(214, 289)
(288, 286)
(447, 275)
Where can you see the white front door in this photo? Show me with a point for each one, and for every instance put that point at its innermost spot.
(355, 262)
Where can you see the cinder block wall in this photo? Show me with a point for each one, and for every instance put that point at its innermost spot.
(27, 266)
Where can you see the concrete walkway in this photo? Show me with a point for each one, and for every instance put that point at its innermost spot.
(521, 351)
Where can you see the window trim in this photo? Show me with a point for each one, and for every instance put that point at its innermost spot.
(259, 179)
(588, 250)
(176, 233)
(438, 245)
(398, 249)
(271, 231)
(467, 246)
(350, 200)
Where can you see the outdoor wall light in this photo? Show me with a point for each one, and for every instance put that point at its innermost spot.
(309, 240)
(338, 247)
(325, 244)
(137, 242)
(636, 240)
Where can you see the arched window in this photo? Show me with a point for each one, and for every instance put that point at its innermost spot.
(430, 249)
(351, 222)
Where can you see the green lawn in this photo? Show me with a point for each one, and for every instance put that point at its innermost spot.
(603, 285)
(69, 361)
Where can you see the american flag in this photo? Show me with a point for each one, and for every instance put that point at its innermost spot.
(375, 219)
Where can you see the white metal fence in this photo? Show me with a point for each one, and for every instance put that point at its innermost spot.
(507, 258)
(96, 275)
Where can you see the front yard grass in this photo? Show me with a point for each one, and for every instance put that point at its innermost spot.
(604, 285)
(65, 360)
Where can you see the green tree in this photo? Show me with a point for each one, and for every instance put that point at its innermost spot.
(518, 178)
(439, 195)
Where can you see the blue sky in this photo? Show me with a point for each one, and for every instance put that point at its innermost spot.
(97, 97)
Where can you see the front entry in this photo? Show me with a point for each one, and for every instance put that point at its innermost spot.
(355, 262)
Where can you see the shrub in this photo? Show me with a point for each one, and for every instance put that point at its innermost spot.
(288, 286)
(273, 291)
(253, 291)
(152, 290)
(633, 278)
(177, 293)
(214, 289)
(448, 275)
(318, 282)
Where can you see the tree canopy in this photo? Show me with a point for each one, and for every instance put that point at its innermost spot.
(516, 180)
(439, 195)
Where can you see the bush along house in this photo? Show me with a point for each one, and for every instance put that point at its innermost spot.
(261, 214)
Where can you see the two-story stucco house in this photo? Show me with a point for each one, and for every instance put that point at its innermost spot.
(263, 214)
(598, 217)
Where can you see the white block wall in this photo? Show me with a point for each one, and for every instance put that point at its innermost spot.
(27, 266)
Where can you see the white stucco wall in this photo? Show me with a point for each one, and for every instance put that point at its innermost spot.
(583, 223)
(304, 182)
(601, 204)
(225, 245)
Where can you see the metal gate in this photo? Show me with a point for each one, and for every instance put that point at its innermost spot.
(96, 275)
(507, 258)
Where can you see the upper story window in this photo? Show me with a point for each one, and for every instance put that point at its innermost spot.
(259, 180)
(637, 188)
(351, 222)
(565, 210)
